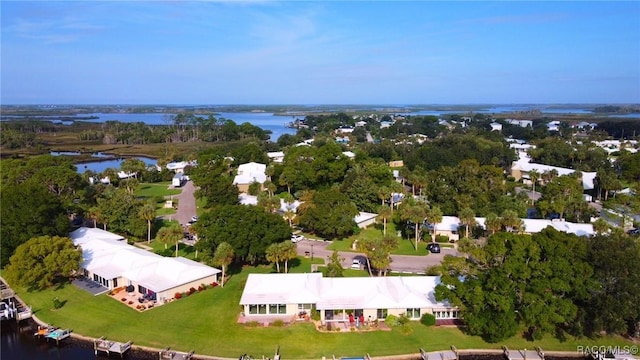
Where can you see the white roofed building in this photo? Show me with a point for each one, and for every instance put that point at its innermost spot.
(111, 262)
(248, 174)
(268, 296)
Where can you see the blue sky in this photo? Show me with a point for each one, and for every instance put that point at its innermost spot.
(303, 52)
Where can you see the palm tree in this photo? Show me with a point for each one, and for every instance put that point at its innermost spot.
(94, 214)
(274, 254)
(434, 217)
(289, 215)
(170, 234)
(493, 223)
(383, 194)
(367, 246)
(289, 252)
(384, 213)
(148, 213)
(468, 218)
(512, 221)
(223, 257)
(601, 226)
(416, 214)
(534, 175)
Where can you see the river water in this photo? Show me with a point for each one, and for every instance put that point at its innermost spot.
(18, 343)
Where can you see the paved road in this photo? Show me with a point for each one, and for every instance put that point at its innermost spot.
(186, 204)
(400, 263)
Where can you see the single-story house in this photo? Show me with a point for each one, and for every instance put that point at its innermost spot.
(248, 174)
(449, 226)
(246, 199)
(266, 296)
(364, 219)
(520, 170)
(276, 156)
(111, 262)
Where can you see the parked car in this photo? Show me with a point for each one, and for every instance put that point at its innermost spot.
(356, 264)
(434, 248)
(296, 238)
(633, 232)
(193, 219)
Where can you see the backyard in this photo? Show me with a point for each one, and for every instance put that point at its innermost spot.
(206, 322)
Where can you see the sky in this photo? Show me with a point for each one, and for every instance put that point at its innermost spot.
(326, 52)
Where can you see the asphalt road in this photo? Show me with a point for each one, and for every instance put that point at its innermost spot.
(186, 204)
(399, 263)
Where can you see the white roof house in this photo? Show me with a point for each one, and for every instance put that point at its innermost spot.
(364, 219)
(251, 172)
(523, 167)
(246, 199)
(449, 226)
(366, 295)
(109, 260)
(276, 156)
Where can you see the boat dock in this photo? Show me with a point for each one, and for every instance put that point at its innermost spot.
(440, 355)
(108, 347)
(536, 354)
(11, 307)
(58, 335)
(168, 354)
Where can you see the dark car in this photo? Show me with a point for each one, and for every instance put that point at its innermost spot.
(434, 248)
(634, 232)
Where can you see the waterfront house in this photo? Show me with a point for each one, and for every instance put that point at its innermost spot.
(286, 296)
(111, 262)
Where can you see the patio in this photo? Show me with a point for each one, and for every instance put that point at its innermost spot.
(133, 300)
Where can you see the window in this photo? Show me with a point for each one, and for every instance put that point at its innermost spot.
(262, 308)
(382, 313)
(449, 314)
(142, 289)
(413, 313)
(253, 309)
(277, 309)
(303, 307)
(115, 282)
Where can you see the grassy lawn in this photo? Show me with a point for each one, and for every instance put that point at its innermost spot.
(184, 250)
(156, 189)
(407, 247)
(206, 322)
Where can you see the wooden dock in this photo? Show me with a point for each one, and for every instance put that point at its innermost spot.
(440, 355)
(11, 305)
(108, 347)
(58, 335)
(168, 354)
(525, 354)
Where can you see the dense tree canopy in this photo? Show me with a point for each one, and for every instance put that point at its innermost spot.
(330, 214)
(37, 263)
(519, 281)
(248, 229)
(28, 210)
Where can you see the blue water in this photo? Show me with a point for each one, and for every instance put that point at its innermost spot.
(627, 116)
(266, 121)
(100, 166)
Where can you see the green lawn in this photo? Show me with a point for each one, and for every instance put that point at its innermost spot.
(407, 247)
(156, 189)
(206, 322)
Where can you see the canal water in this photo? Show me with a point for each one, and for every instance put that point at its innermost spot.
(18, 343)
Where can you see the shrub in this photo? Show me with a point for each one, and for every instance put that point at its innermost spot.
(315, 314)
(403, 319)
(177, 295)
(214, 284)
(252, 324)
(277, 323)
(406, 329)
(191, 291)
(123, 299)
(201, 288)
(391, 320)
(57, 304)
(442, 239)
(428, 320)
(130, 302)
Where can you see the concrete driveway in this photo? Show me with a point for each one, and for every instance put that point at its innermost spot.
(399, 263)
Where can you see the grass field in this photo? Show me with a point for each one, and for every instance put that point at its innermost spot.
(406, 246)
(150, 190)
(206, 322)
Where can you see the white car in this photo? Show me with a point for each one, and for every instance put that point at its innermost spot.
(296, 238)
(355, 264)
(193, 219)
